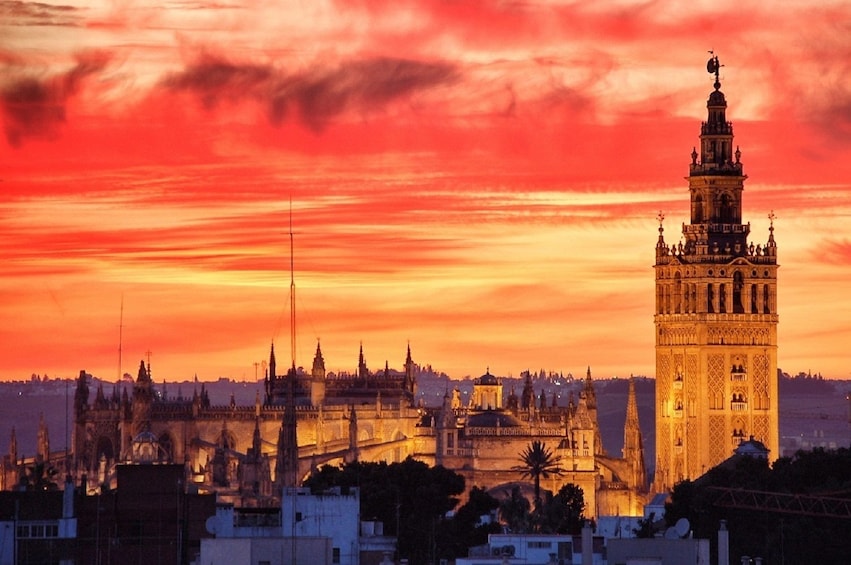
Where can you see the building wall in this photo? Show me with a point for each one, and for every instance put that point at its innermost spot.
(662, 551)
(335, 515)
(252, 551)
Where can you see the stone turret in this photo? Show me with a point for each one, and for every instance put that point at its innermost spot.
(317, 378)
(363, 371)
(143, 396)
(43, 441)
(81, 395)
(410, 375)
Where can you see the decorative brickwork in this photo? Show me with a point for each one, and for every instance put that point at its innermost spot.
(716, 381)
(719, 447)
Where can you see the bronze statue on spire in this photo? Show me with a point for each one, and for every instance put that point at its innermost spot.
(713, 66)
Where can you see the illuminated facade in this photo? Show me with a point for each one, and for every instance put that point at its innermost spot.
(482, 442)
(716, 318)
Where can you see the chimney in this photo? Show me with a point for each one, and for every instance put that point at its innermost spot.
(723, 544)
(587, 544)
(68, 498)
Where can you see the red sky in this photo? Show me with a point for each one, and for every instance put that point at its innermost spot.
(478, 179)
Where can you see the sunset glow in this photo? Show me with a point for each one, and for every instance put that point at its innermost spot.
(478, 179)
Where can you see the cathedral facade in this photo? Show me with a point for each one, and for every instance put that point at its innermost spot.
(716, 317)
(247, 454)
(482, 442)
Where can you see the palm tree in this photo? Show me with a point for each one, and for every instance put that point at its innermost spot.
(538, 461)
(40, 476)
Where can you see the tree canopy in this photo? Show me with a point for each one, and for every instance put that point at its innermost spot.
(777, 537)
(40, 476)
(538, 461)
(410, 498)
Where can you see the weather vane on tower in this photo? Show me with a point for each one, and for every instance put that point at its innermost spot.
(713, 66)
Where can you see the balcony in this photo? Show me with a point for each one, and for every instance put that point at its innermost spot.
(739, 406)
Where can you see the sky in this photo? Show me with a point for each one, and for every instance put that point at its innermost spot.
(479, 180)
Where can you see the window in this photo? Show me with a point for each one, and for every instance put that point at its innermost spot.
(738, 286)
(38, 530)
(539, 545)
(335, 555)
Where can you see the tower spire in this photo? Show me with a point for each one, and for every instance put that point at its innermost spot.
(633, 444)
(716, 308)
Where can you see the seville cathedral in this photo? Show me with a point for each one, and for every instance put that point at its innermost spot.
(716, 318)
(716, 385)
(244, 454)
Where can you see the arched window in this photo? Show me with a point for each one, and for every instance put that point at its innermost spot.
(104, 449)
(697, 215)
(766, 305)
(722, 298)
(738, 286)
(710, 298)
(678, 294)
(166, 448)
(725, 215)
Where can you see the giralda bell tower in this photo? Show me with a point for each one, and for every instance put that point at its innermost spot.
(716, 317)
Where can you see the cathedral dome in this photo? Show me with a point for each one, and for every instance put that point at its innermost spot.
(487, 379)
(493, 419)
(753, 448)
(145, 448)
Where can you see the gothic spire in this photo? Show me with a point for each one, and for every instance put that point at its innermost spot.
(633, 444)
(363, 372)
(43, 439)
(318, 362)
(13, 448)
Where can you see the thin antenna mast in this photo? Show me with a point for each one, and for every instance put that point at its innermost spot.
(292, 289)
(292, 437)
(120, 335)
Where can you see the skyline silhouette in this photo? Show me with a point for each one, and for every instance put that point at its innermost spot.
(481, 183)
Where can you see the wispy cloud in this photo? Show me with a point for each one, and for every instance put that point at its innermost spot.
(314, 97)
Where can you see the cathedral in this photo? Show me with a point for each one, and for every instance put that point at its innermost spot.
(716, 317)
(305, 419)
(482, 442)
(247, 453)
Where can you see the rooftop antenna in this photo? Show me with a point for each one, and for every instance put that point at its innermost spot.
(292, 288)
(120, 332)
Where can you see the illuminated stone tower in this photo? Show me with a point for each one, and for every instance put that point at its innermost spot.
(716, 317)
